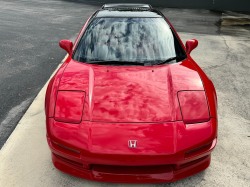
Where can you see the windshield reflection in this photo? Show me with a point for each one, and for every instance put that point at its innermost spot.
(126, 39)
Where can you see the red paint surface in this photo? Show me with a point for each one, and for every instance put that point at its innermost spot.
(191, 45)
(67, 45)
(193, 106)
(112, 138)
(51, 93)
(209, 89)
(95, 110)
(131, 94)
(69, 106)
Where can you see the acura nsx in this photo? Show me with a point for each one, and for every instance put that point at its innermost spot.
(129, 104)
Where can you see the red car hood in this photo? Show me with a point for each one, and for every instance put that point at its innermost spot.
(131, 93)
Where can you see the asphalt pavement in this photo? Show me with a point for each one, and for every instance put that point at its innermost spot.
(30, 32)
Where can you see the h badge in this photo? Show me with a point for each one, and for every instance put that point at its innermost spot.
(132, 143)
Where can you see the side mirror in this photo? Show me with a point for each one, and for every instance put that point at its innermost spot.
(67, 45)
(191, 45)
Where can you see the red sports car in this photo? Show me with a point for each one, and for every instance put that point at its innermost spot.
(129, 104)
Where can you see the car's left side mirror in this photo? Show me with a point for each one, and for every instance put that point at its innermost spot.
(191, 45)
(67, 45)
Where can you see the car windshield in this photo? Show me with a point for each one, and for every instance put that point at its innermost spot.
(146, 40)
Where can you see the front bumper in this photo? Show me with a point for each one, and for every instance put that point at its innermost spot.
(185, 158)
(131, 174)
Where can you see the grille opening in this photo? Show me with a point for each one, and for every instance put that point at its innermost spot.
(123, 170)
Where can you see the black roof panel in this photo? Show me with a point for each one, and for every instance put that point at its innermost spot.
(116, 5)
(128, 13)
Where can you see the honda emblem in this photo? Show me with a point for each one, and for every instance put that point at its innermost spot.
(132, 143)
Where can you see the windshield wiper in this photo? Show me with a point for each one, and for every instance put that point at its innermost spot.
(116, 62)
(170, 59)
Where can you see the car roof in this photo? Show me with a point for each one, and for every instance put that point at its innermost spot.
(128, 10)
(115, 5)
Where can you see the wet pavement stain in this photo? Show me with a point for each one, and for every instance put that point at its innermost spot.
(208, 21)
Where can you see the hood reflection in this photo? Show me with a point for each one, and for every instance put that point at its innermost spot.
(130, 94)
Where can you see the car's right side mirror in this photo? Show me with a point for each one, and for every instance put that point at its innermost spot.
(191, 45)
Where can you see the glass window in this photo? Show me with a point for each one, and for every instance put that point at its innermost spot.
(128, 39)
